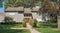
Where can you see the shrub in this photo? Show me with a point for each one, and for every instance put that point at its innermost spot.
(53, 20)
(39, 25)
(33, 23)
(54, 25)
(24, 24)
(8, 19)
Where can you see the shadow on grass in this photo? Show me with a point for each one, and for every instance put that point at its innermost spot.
(14, 31)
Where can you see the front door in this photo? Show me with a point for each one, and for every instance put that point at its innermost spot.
(26, 20)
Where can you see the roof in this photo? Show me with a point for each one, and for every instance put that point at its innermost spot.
(35, 9)
(27, 10)
(14, 9)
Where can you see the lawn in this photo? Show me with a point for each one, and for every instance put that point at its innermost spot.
(47, 30)
(10, 25)
(47, 25)
(15, 31)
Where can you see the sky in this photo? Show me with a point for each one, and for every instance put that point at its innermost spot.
(2, 8)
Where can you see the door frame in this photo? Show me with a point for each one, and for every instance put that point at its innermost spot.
(27, 20)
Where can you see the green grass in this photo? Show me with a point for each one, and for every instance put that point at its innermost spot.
(47, 30)
(10, 25)
(15, 31)
(47, 25)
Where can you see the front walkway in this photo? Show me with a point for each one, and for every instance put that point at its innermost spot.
(32, 30)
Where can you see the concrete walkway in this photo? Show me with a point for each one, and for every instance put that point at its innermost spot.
(18, 28)
(32, 30)
(13, 28)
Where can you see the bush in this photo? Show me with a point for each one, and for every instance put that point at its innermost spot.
(33, 23)
(24, 24)
(54, 25)
(53, 20)
(8, 19)
(39, 25)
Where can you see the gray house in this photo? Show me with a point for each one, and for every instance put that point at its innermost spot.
(2, 15)
(20, 13)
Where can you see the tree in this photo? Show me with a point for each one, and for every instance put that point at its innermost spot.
(58, 6)
(14, 3)
(8, 19)
(17, 3)
(1, 3)
(58, 9)
(49, 8)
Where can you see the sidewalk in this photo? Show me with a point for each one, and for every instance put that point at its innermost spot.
(32, 30)
(14, 28)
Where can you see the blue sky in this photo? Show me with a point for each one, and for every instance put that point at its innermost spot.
(2, 8)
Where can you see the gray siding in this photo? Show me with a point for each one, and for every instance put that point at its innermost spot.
(17, 17)
(35, 15)
(1, 18)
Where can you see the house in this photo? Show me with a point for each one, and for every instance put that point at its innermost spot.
(20, 13)
(2, 15)
(17, 13)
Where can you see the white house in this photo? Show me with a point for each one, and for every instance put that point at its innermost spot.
(20, 13)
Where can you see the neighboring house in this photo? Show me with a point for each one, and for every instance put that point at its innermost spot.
(2, 15)
(20, 13)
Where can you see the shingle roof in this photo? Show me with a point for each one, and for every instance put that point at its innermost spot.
(35, 9)
(14, 9)
(27, 10)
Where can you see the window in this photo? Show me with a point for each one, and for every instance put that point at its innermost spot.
(11, 13)
(20, 12)
(34, 12)
(27, 15)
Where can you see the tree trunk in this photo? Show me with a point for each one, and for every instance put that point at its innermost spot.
(58, 22)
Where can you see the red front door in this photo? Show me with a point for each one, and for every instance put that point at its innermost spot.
(26, 20)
